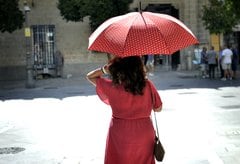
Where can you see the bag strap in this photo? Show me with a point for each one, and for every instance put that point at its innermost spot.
(156, 124)
(155, 118)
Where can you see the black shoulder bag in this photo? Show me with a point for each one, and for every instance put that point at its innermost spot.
(159, 151)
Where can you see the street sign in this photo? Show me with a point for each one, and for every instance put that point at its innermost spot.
(27, 32)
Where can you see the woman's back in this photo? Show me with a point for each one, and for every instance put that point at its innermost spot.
(124, 104)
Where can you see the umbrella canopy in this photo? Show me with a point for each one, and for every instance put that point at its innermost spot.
(141, 33)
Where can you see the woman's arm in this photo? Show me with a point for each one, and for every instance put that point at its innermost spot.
(95, 74)
(156, 99)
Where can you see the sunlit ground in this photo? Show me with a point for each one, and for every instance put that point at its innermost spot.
(74, 129)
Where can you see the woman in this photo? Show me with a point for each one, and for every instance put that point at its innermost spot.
(131, 97)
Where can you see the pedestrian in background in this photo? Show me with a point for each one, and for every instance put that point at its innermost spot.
(227, 62)
(150, 64)
(220, 62)
(204, 62)
(132, 98)
(235, 60)
(212, 61)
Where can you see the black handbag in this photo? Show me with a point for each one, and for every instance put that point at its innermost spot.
(159, 151)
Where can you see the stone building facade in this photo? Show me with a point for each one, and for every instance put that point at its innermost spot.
(50, 33)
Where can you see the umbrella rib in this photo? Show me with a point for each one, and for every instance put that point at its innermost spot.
(164, 42)
(161, 35)
(177, 22)
(128, 31)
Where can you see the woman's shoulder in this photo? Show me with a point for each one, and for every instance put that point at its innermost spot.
(104, 81)
(149, 83)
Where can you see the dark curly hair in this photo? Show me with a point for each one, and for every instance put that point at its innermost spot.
(129, 72)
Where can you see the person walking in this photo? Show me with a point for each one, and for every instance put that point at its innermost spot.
(220, 62)
(150, 64)
(132, 98)
(235, 60)
(212, 61)
(204, 62)
(226, 63)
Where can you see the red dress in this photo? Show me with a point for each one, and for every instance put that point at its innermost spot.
(131, 134)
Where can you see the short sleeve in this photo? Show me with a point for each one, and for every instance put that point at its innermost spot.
(157, 102)
(102, 88)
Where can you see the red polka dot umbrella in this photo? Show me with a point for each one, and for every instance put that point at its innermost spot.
(141, 33)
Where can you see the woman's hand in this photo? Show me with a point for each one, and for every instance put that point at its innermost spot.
(105, 69)
(158, 109)
(97, 73)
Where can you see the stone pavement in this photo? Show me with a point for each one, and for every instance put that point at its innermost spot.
(78, 85)
(62, 121)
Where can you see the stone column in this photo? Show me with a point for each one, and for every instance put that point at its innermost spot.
(190, 19)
